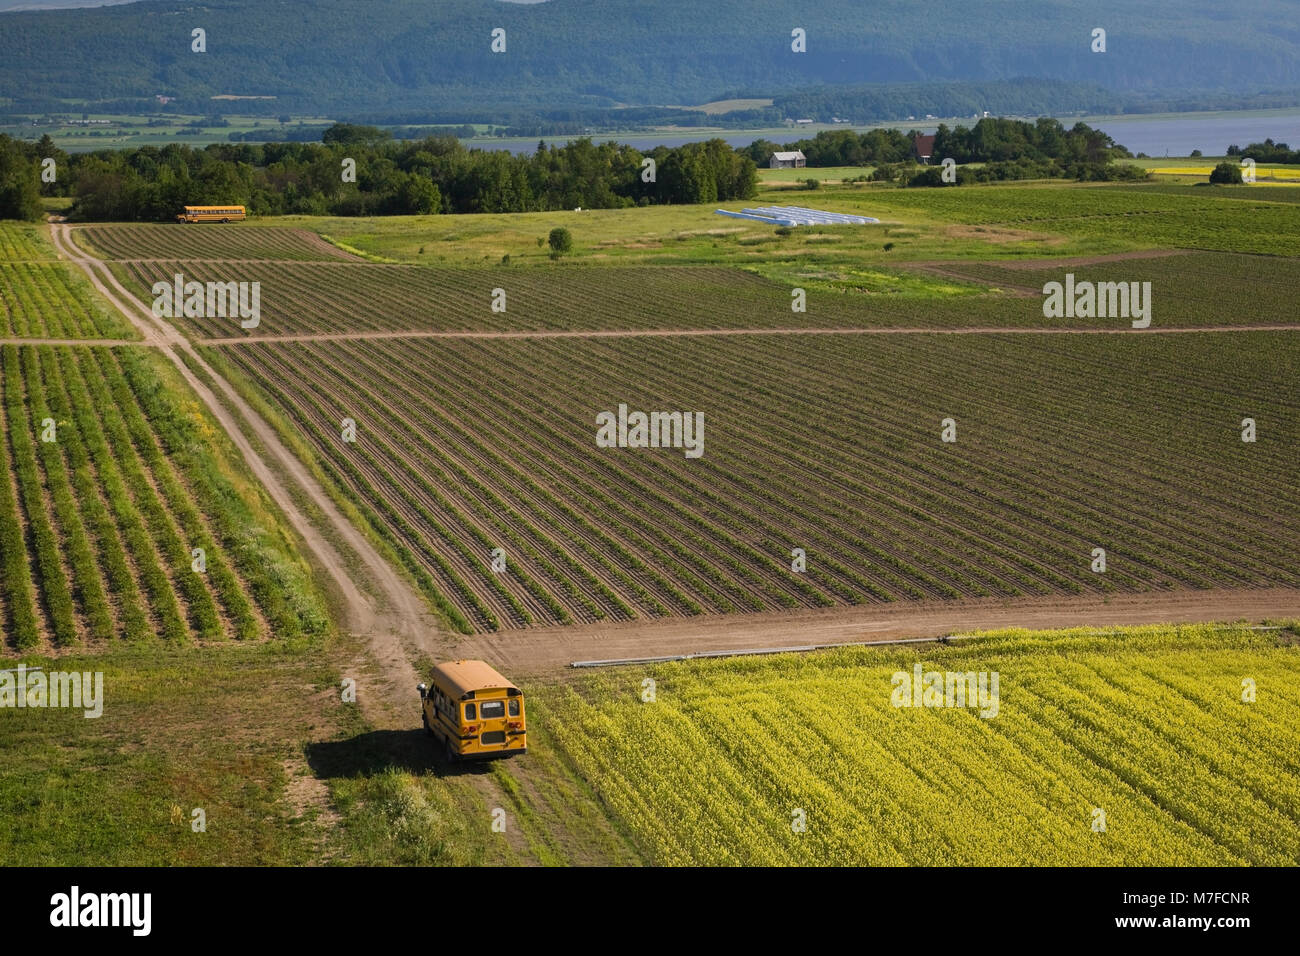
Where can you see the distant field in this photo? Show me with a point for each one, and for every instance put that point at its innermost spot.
(729, 106)
(205, 241)
(1023, 220)
(1135, 215)
(1200, 288)
(1146, 726)
(1188, 290)
(827, 443)
(823, 173)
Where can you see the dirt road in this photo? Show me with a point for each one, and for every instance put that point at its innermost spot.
(550, 650)
(392, 612)
(674, 333)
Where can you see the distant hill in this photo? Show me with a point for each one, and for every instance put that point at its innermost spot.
(350, 56)
(54, 4)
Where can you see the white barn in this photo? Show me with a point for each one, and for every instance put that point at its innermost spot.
(794, 160)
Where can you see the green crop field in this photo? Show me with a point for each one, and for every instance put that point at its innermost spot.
(204, 241)
(820, 173)
(24, 242)
(1196, 289)
(101, 520)
(41, 298)
(830, 443)
(1146, 725)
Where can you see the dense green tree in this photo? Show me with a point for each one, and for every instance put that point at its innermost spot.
(560, 240)
(20, 190)
(1226, 174)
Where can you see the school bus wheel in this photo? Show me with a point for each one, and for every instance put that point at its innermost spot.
(427, 729)
(452, 755)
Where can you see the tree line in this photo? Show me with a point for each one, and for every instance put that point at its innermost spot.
(1266, 152)
(361, 171)
(1007, 149)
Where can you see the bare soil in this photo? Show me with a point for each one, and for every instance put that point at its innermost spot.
(548, 651)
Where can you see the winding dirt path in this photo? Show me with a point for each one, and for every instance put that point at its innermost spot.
(395, 612)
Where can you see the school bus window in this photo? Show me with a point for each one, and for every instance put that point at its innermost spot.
(514, 706)
(470, 712)
(492, 709)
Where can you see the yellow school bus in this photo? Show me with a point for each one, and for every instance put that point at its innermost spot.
(212, 214)
(474, 710)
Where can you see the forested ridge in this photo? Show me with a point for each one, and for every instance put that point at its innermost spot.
(344, 55)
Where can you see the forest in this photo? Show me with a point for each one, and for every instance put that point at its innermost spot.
(362, 171)
(343, 58)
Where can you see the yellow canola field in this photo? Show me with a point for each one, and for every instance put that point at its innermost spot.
(1132, 748)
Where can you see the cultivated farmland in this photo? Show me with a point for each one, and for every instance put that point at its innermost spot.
(1200, 288)
(211, 241)
(830, 444)
(43, 299)
(23, 242)
(39, 297)
(330, 298)
(99, 522)
(1147, 726)
(1234, 219)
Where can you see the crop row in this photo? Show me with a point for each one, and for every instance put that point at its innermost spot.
(23, 242)
(1186, 290)
(1134, 749)
(337, 297)
(43, 299)
(829, 444)
(304, 298)
(101, 522)
(1126, 216)
(205, 241)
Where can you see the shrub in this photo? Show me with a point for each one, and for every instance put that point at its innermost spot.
(560, 240)
(1226, 173)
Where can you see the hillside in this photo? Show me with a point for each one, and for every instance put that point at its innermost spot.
(339, 55)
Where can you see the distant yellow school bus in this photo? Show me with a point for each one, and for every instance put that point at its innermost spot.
(212, 214)
(474, 710)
